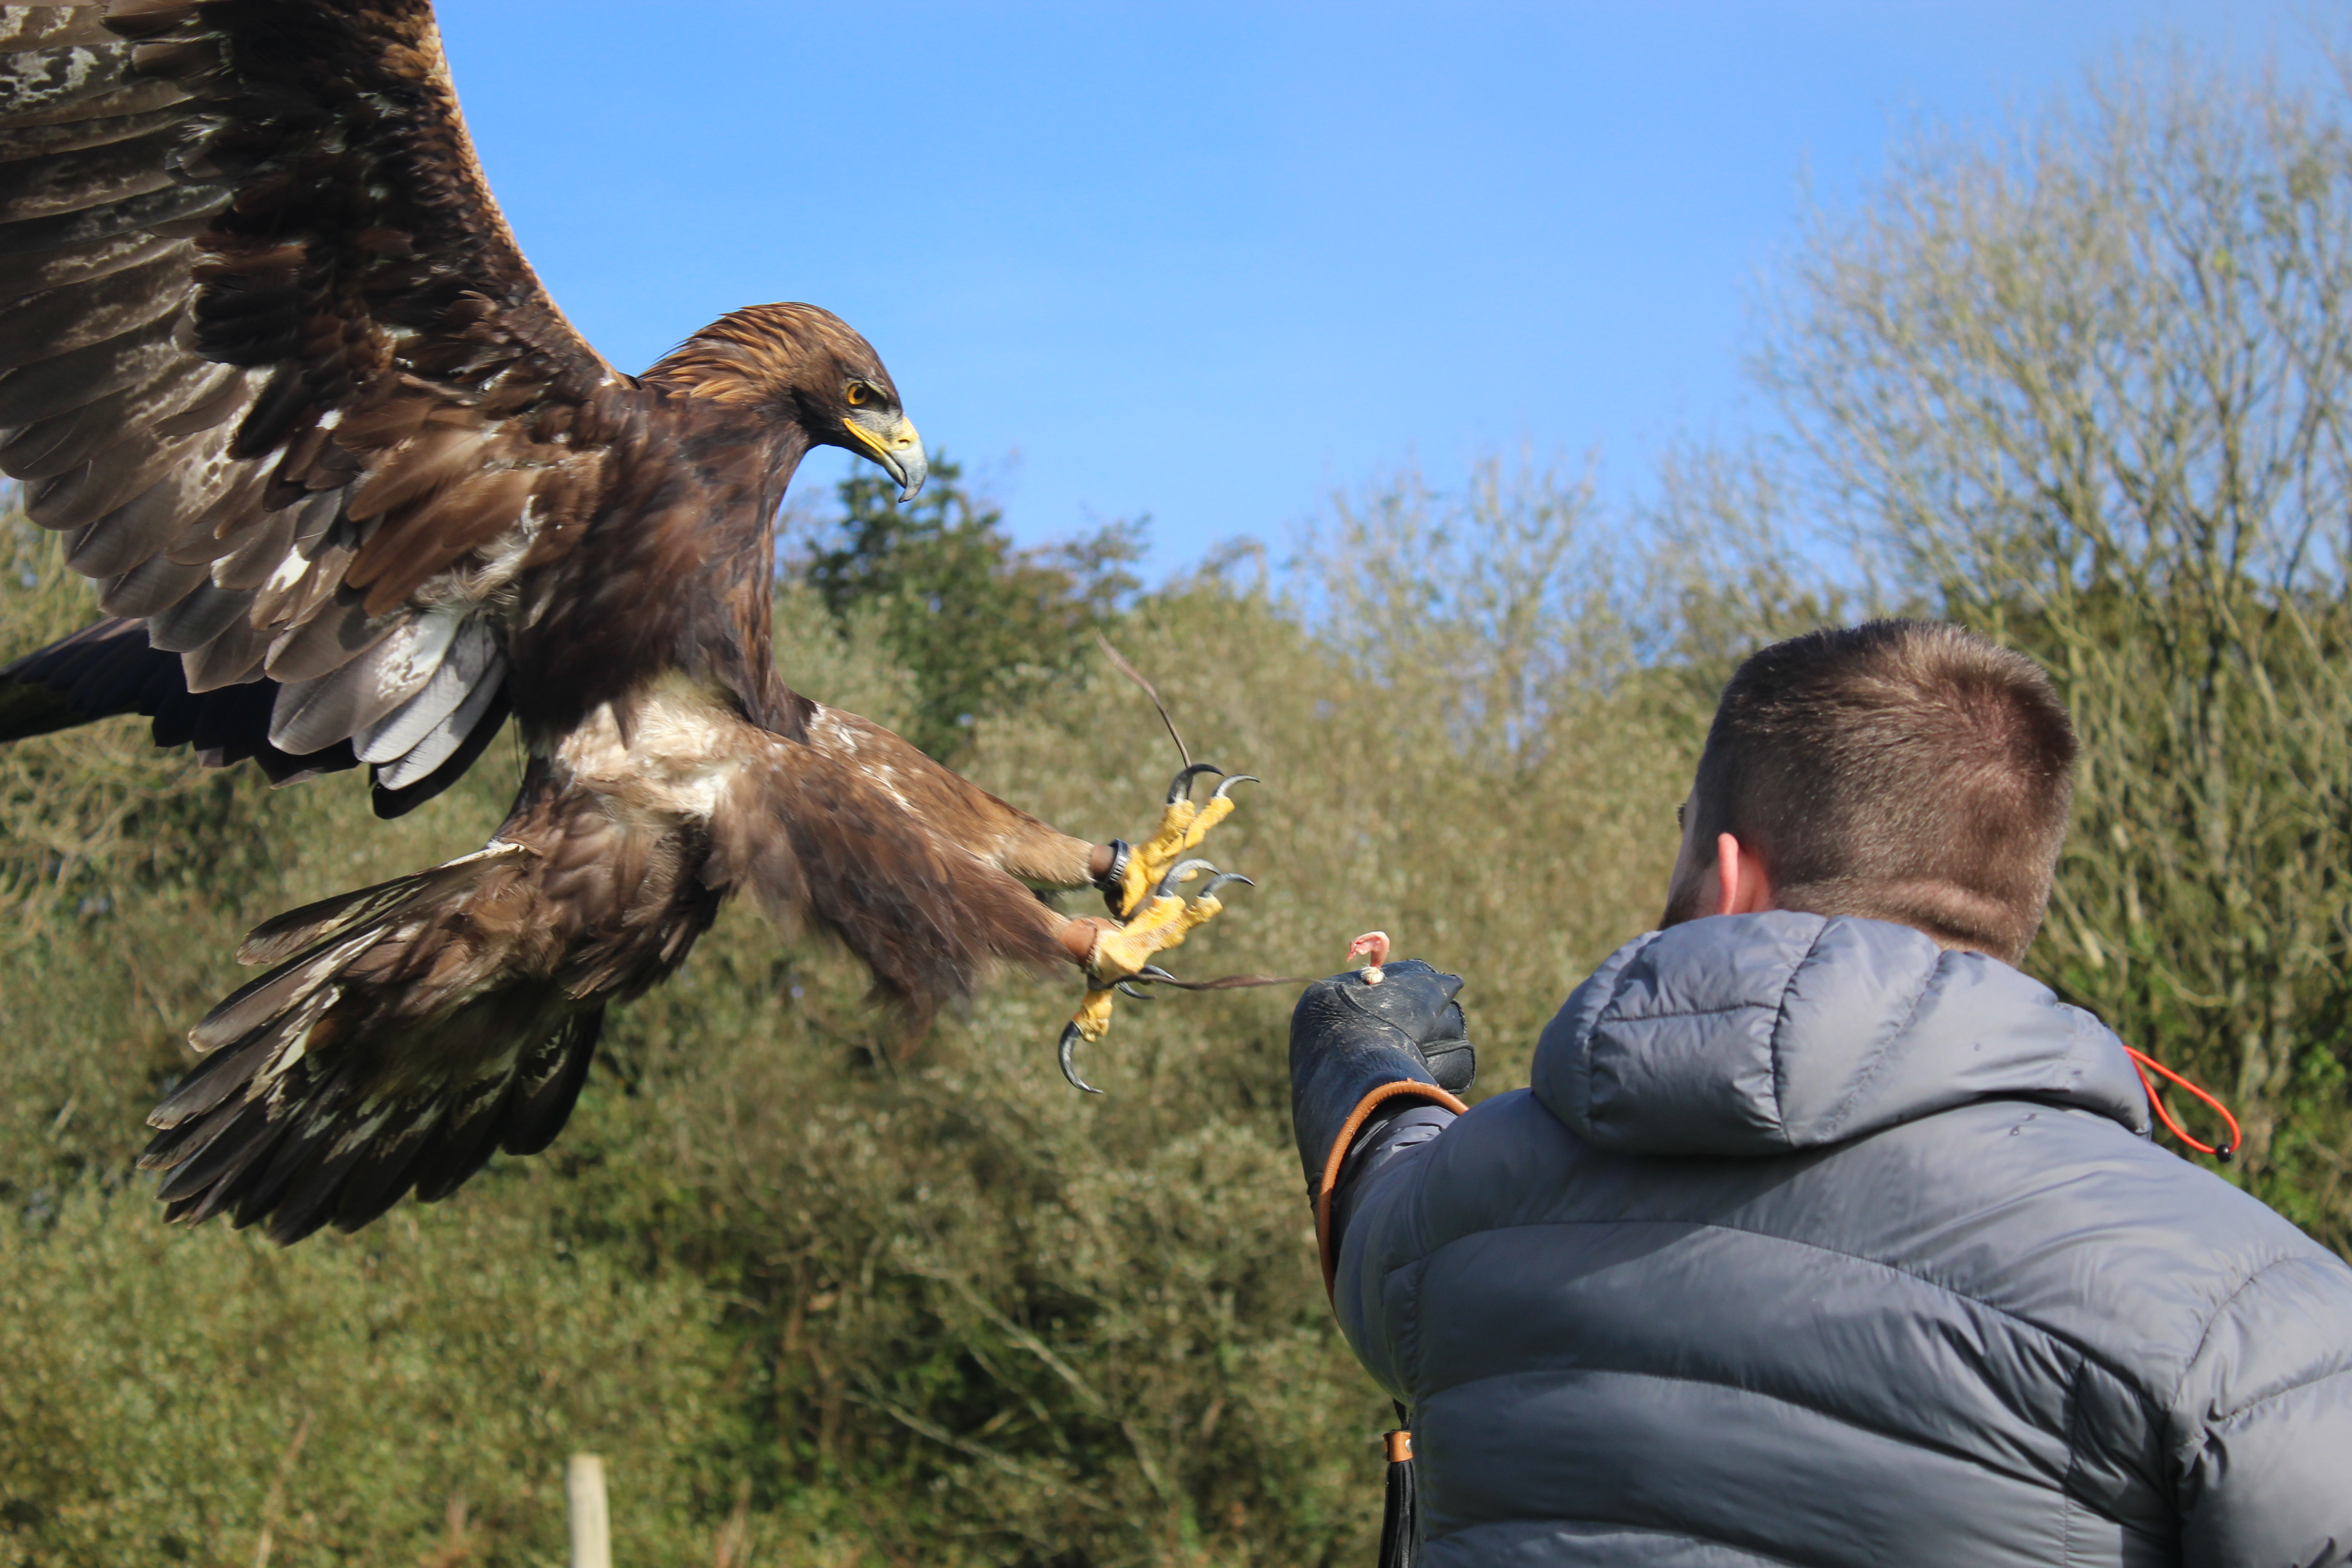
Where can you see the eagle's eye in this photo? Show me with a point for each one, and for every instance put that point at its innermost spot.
(859, 394)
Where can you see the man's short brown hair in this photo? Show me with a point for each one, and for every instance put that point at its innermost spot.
(1899, 770)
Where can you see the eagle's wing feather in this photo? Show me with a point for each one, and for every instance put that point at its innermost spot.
(272, 362)
(271, 358)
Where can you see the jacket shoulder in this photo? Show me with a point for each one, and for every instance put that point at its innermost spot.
(2063, 1219)
(2059, 1220)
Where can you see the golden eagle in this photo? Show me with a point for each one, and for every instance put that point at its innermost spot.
(354, 491)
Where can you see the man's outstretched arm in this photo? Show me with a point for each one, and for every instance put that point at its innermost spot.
(1374, 1072)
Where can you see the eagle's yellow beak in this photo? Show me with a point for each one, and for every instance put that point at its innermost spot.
(889, 438)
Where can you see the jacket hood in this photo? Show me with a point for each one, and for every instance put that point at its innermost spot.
(1764, 1034)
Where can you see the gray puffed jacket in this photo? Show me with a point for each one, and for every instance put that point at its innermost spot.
(1813, 1243)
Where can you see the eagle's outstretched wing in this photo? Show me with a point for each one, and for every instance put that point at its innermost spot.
(271, 359)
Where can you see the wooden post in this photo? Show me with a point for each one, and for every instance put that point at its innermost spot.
(592, 1533)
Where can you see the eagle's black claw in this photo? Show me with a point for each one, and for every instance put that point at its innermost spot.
(1181, 785)
(1219, 880)
(1070, 1037)
(1127, 988)
(1238, 778)
(1177, 873)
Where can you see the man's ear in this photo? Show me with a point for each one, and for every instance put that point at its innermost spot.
(1742, 885)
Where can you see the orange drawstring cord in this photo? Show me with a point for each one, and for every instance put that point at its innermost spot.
(2142, 1062)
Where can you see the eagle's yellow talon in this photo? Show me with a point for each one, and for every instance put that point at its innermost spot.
(1092, 1022)
(1162, 923)
(1182, 826)
(1155, 915)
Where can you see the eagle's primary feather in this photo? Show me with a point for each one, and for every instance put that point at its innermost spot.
(354, 492)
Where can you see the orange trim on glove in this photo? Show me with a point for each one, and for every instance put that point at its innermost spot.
(1326, 1248)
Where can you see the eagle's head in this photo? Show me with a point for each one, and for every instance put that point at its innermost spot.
(806, 365)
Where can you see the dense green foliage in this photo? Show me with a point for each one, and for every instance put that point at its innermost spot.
(816, 1305)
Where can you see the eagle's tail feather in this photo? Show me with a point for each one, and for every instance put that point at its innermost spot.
(407, 1031)
(298, 928)
(546, 1089)
(222, 1074)
(215, 1155)
(289, 999)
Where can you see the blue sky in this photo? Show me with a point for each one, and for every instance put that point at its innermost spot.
(1211, 261)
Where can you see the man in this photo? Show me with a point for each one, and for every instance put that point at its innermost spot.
(1822, 1235)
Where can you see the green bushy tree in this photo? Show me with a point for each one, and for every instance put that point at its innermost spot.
(977, 623)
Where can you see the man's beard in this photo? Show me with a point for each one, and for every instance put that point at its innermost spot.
(1687, 902)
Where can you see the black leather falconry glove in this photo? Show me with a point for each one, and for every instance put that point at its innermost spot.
(1355, 1048)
